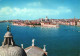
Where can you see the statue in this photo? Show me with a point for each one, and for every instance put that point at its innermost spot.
(8, 28)
(33, 42)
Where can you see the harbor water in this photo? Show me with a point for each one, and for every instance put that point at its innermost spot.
(62, 41)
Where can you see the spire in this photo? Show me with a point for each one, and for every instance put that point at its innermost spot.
(22, 45)
(74, 18)
(46, 17)
(8, 38)
(33, 42)
(44, 49)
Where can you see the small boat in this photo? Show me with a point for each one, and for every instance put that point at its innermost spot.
(78, 31)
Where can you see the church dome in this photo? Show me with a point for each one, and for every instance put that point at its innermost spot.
(35, 51)
(8, 34)
(12, 51)
(9, 47)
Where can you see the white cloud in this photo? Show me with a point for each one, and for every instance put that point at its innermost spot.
(68, 10)
(64, 9)
(7, 11)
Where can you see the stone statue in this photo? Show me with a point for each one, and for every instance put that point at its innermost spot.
(8, 28)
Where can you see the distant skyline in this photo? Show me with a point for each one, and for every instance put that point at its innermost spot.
(35, 9)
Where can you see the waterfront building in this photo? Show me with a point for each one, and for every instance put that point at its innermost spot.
(78, 23)
(43, 24)
(46, 19)
(67, 23)
(14, 23)
(9, 48)
(53, 21)
(35, 51)
(72, 23)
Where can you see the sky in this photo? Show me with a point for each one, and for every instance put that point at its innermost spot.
(35, 9)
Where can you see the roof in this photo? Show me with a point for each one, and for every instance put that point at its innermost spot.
(8, 34)
(12, 51)
(35, 51)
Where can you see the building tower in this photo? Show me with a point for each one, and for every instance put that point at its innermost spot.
(74, 18)
(46, 19)
(75, 22)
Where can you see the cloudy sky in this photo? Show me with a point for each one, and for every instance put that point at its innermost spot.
(35, 9)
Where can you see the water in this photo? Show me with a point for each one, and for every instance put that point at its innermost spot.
(63, 41)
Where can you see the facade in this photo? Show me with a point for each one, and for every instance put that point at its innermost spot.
(48, 25)
(78, 23)
(72, 23)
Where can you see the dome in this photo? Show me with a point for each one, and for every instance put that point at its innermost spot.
(12, 51)
(35, 51)
(8, 34)
(9, 47)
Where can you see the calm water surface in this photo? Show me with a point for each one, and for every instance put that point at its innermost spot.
(63, 41)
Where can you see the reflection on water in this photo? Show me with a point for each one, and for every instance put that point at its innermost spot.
(62, 41)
